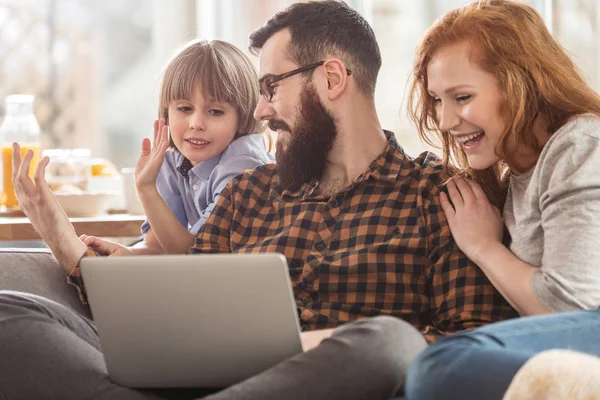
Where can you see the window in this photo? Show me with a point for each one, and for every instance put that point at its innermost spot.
(95, 66)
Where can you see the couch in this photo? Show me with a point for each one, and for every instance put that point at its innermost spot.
(35, 271)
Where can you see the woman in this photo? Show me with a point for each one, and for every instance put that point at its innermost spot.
(514, 114)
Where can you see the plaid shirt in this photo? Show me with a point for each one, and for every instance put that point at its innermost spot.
(380, 246)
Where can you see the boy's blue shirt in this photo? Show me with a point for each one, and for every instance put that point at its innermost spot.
(191, 192)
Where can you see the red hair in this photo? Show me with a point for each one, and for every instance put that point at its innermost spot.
(535, 76)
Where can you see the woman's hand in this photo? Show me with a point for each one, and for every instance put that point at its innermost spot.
(41, 207)
(105, 247)
(475, 223)
(152, 157)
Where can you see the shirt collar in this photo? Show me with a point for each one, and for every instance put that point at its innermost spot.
(386, 167)
(202, 170)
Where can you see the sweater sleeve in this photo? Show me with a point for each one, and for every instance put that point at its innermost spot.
(569, 201)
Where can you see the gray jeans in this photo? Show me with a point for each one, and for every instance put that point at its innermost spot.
(50, 352)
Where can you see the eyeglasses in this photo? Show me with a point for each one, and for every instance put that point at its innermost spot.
(266, 82)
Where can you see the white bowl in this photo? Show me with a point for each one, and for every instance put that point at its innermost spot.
(86, 204)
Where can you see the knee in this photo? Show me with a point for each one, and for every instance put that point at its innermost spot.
(14, 304)
(431, 374)
(387, 345)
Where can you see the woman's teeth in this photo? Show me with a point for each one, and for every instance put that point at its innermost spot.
(465, 139)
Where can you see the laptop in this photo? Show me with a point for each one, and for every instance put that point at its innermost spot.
(204, 321)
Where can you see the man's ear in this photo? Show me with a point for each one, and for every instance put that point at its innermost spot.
(337, 77)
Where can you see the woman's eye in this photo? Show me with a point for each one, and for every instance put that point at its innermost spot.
(463, 98)
(437, 100)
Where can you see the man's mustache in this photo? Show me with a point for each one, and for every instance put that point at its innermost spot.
(277, 124)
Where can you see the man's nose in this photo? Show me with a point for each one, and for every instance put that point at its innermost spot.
(263, 110)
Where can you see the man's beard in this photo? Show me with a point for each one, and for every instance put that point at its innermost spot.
(305, 155)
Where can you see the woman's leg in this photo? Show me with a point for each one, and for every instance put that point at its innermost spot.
(480, 364)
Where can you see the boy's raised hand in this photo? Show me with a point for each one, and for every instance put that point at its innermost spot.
(152, 157)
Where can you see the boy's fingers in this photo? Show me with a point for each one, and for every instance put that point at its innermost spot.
(146, 147)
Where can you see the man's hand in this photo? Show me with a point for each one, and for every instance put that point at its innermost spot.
(148, 165)
(41, 207)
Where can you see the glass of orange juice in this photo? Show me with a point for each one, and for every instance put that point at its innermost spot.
(19, 125)
(10, 199)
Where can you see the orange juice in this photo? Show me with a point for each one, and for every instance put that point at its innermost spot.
(8, 189)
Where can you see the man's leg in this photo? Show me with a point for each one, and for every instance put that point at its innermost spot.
(49, 352)
(480, 364)
(366, 359)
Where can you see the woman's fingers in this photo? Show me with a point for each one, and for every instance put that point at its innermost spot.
(454, 194)
(465, 190)
(446, 206)
(477, 190)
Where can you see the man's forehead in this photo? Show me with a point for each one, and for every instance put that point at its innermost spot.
(273, 57)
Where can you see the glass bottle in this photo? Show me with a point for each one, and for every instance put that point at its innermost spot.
(19, 125)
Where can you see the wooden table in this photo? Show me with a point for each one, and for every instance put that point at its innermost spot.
(110, 225)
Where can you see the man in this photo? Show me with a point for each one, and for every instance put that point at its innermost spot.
(358, 220)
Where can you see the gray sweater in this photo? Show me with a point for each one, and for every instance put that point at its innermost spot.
(553, 215)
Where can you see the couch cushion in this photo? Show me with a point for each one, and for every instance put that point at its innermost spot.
(35, 271)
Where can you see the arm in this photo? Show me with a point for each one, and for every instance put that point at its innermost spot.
(149, 246)
(569, 204)
(170, 234)
(41, 207)
(477, 227)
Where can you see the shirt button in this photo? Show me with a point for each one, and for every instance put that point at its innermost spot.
(195, 187)
(320, 246)
(306, 315)
(334, 203)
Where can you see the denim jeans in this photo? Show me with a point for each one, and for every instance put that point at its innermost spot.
(480, 364)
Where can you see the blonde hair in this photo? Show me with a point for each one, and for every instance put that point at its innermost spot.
(535, 76)
(224, 73)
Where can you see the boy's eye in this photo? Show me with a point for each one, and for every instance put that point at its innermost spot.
(184, 108)
(216, 112)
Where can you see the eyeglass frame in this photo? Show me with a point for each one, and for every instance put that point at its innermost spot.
(268, 80)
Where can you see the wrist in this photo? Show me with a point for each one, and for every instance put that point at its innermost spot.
(70, 256)
(487, 252)
(147, 191)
